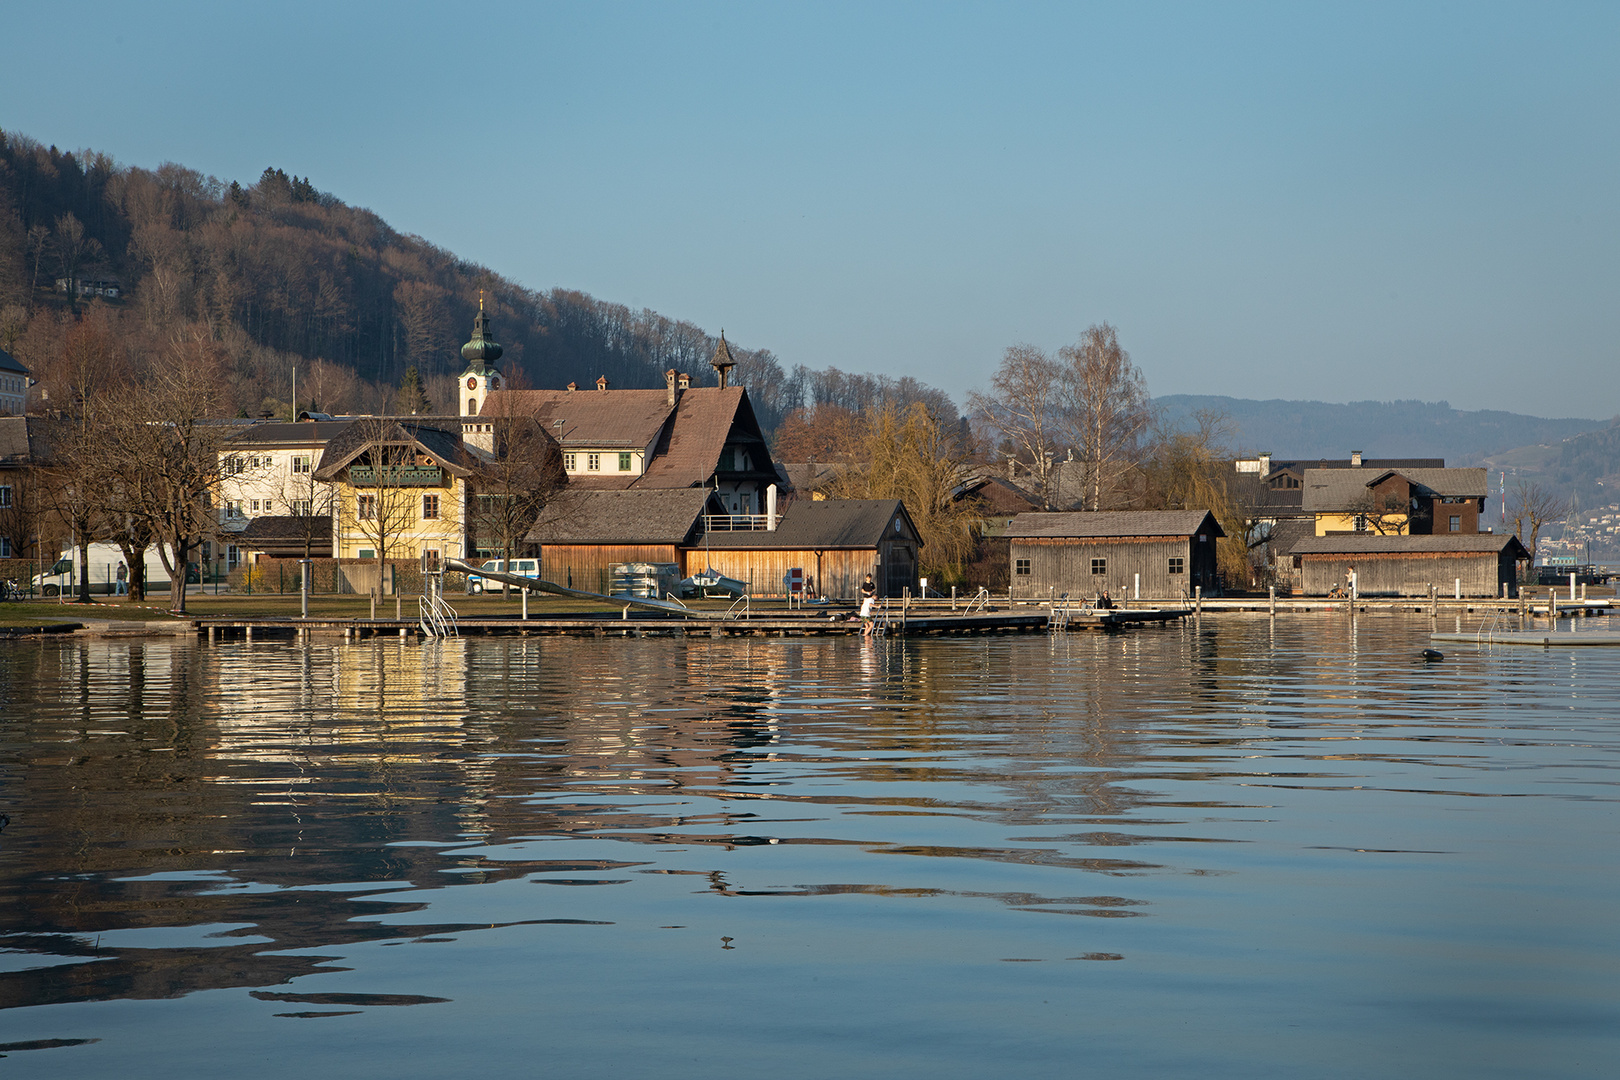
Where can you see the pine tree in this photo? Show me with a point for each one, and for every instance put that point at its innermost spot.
(412, 397)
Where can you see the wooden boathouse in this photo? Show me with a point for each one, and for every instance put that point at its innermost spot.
(1171, 553)
(836, 542)
(1477, 565)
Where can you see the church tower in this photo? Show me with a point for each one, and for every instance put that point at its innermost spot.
(481, 375)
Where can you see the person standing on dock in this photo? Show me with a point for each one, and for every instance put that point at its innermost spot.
(868, 602)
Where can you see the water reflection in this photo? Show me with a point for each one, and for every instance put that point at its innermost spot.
(187, 820)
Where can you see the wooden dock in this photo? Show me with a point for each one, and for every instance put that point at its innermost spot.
(653, 624)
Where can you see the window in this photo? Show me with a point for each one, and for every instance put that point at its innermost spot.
(253, 505)
(1099, 566)
(300, 464)
(624, 462)
(233, 509)
(1021, 567)
(299, 507)
(1178, 565)
(366, 508)
(430, 507)
(593, 462)
(5, 496)
(1456, 523)
(365, 553)
(5, 547)
(233, 466)
(1361, 523)
(570, 462)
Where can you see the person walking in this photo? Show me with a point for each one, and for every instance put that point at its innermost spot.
(123, 580)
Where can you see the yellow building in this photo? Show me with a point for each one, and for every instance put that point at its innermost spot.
(403, 486)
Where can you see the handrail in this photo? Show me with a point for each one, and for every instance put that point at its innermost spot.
(731, 611)
(438, 617)
(981, 601)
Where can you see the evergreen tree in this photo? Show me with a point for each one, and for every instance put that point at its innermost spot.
(412, 397)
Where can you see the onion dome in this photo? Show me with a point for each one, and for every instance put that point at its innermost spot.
(482, 351)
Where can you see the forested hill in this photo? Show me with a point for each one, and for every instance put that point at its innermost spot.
(281, 272)
(1316, 429)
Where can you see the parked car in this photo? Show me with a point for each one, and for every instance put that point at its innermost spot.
(529, 568)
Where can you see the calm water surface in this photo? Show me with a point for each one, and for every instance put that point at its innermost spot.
(1241, 848)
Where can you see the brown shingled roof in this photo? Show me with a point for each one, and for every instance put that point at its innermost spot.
(1374, 544)
(1110, 523)
(638, 516)
(612, 418)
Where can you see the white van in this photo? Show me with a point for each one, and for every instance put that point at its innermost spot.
(529, 568)
(104, 560)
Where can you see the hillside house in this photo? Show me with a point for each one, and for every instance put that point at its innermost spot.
(1410, 501)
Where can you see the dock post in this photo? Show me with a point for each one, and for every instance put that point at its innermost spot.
(525, 604)
(402, 631)
(1200, 598)
(248, 630)
(210, 635)
(1273, 593)
(373, 604)
(953, 597)
(1136, 590)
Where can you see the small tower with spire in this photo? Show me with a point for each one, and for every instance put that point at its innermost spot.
(481, 375)
(722, 362)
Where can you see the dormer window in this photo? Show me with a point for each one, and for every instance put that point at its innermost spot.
(593, 462)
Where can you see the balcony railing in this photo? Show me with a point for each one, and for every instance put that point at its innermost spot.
(396, 476)
(736, 522)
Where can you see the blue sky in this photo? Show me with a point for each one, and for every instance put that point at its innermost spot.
(1337, 202)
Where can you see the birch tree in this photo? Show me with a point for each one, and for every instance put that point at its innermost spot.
(1025, 405)
(1103, 406)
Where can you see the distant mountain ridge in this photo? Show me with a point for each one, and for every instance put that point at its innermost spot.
(1313, 429)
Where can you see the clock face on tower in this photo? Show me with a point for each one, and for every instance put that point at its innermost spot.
(472, 382)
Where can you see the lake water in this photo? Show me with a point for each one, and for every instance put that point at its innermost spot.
(1237, 848)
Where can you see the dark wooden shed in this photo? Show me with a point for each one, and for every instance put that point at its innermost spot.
(1407, 565)
(1171, 552)
(835, 541)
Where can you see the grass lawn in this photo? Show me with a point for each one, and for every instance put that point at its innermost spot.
(262, 605)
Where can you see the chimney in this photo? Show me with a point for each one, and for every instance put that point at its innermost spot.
(770, 508)
(601, 382)
(572, 387)
(1265, 465)
(1355, 459)
(683, 381)
(669, 386)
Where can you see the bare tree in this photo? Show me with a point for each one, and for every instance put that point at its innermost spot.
(171, 448)
(383, 506)
(524, 473)
(310, 502)
(1104, 406)
(1386, 513)
(1533, 506)
(73, 249)
(1025, 404)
